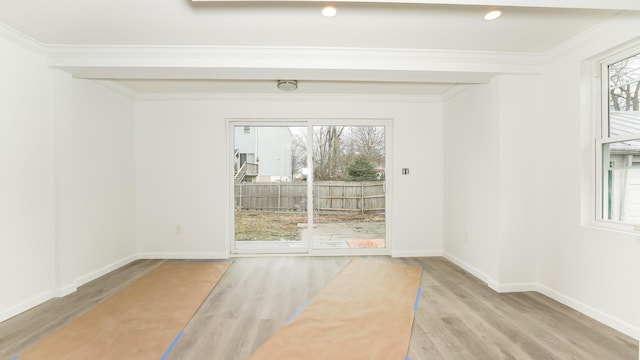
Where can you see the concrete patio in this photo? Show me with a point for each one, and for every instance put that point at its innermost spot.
(326, 236)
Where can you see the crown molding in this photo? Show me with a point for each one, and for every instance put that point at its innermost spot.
(21, 39)
(350, 98)
(587, 37)
(283, 57)
(223, 54)
(119, 88)
(454, 91)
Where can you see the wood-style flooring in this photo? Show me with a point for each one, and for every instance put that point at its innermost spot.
(458, 316)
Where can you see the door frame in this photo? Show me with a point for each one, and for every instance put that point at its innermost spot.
(231, 123)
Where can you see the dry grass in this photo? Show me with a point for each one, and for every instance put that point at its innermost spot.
(258, 225)
(252, 225)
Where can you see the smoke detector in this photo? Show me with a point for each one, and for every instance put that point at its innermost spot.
(287, 85)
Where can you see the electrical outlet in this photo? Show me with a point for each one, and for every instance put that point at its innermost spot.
(178, 229)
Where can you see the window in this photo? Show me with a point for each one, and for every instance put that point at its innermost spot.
(618, 145)
(247, 158)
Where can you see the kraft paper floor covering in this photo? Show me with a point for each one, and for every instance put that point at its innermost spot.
(139, 322)
(365, 312)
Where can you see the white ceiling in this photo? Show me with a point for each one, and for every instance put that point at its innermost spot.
(175, 24)
(182, 22)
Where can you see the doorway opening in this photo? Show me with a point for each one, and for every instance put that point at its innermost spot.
(309, 187)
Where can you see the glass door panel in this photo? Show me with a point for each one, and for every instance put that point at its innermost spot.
(348, 187)
(270, 189)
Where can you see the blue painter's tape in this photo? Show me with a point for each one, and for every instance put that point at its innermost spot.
(415, 305)
(297, 311)
(166, 353)
(406, 357)
(14, 358)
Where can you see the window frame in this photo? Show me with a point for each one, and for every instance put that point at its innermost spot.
(602, 137)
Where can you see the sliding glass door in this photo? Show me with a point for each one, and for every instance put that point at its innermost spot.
(309, 187)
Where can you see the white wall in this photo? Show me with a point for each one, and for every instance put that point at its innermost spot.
(96, 200)
(181, 176)
(471, 193)
(67, 183)
(417, 198)
(596, 271)
(491, 176)
(26, 217)
(526, 205)
(516, 100)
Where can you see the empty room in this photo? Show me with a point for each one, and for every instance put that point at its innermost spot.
(206, 179)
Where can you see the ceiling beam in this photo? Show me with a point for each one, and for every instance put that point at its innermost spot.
(564, 4)
(329, 64)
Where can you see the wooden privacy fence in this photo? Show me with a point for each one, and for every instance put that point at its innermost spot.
(340, 196)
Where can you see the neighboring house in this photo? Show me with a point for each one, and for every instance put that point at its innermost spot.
(623, 177)
(265, 153)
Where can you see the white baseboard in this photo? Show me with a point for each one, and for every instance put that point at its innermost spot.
(72, 287)
(183, 256)
(105, 270)
(26, 305)
(623, 327)
(416, 253)
(617, 324)
(514, 287)
(472, 270)
(496, 286)
(65, 290)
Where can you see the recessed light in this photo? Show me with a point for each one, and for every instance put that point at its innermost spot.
(492, 15)
(329, 11)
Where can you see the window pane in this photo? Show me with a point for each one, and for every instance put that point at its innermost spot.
(624, 91)
(621, 181)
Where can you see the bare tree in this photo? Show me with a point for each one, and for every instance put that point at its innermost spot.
(298, 154)
(624, 85)
(369, 141)
(336, 147)
(328, 153)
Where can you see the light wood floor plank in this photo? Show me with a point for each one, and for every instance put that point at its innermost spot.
(458, 316)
